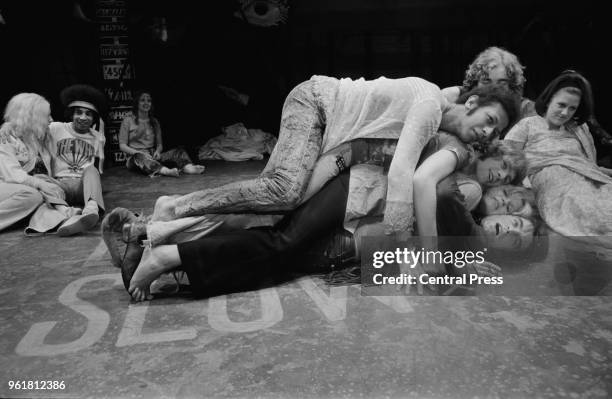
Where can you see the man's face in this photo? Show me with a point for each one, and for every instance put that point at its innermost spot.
(480, 123)
(494, 171)
(508, 232)
(497, 75)
(82, 119)
(502, 200)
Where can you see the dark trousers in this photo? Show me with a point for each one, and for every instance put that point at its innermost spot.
(231, 260)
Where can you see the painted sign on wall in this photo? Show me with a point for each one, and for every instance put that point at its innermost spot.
(117, 70)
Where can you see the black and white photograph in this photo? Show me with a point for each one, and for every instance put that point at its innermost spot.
(305, 199)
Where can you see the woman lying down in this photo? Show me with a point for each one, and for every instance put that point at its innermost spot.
(226, 260)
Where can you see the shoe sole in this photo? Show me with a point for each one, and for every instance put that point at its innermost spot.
(111, 233)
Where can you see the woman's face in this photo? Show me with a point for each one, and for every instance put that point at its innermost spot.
(43, 118)
(508, 232)
(561, 108)
(502, 200)
(494, 171)
(145, 102)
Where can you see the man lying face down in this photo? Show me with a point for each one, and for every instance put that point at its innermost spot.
(229, 260)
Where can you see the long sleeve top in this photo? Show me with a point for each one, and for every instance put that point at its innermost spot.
(409, 110)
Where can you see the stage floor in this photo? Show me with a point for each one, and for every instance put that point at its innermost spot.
(67, 318)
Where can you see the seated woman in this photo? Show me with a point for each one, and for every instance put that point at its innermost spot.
(22, 148)
(573, 194)
(140, 137)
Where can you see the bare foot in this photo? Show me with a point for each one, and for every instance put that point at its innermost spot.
(169, 172)
(191, 169)
(152, 265)
(164, 208)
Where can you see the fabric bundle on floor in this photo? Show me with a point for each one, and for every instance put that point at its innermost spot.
(237, 143)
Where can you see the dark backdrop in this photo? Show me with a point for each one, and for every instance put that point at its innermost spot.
(208, 46)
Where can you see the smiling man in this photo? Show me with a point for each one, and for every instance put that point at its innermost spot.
(75, 145)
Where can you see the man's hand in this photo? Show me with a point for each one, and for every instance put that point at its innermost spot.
(157, 155)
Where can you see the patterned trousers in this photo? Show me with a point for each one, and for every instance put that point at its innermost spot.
(285, 178)
(140, 162)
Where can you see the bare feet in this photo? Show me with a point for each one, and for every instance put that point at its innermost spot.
(191, 169)
(164, 208)
(164, 171)
(154, 262)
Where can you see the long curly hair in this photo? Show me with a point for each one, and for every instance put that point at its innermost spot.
(482, 64)
(26, 117)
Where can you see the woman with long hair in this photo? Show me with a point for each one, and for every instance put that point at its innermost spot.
(573, 193)
(22, 154)
(140, 137)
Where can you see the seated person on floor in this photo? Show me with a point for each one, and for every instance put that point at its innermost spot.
(75, 147)
(140, 137)
(22, 147)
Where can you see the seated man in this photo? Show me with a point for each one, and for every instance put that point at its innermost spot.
(74, 147)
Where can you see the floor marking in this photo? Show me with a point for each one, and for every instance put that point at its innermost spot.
(131, 333)
(32, 344)
(271, 313)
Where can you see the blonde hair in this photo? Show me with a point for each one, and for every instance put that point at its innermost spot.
(515, 158)
(479, 69)
(26, 117)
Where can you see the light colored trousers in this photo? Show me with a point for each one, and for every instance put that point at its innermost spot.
(17, 201)
(80, 190)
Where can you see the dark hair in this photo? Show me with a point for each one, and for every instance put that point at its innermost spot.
(136, 100)
(518, 260)
(499, 94)
(69, 114)
(568, 78)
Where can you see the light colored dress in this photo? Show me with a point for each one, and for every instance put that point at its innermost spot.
(573, 194)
